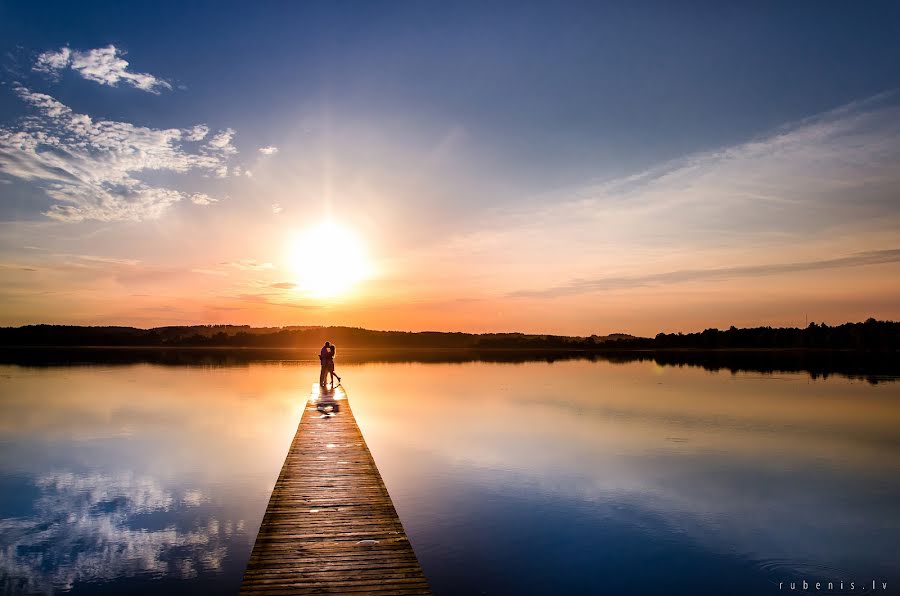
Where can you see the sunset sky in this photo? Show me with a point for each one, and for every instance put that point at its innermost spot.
(567, 167)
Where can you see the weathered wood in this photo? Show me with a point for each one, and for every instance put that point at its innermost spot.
(330, 527)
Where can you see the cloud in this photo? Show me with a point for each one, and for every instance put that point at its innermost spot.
(215, 272)
(221, 269)
(101, 259)
(89, 167)
(220, 145)
(270, 150)
(804, 177)
(16, 267)
(196, 133)
(266, 299)
(52, 62)
(821, 188)
(583, 286)
(284, 285)
(277, 208)
(221, 141)
(249, 265)
(101, 65)
(199, 198)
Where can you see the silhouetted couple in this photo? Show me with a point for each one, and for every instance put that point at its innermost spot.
(326, 358)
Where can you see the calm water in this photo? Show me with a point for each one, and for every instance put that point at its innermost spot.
(535, 478)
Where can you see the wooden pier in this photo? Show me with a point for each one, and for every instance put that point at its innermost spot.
(330, 527)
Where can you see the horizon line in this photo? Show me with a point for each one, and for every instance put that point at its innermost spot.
(311, 327)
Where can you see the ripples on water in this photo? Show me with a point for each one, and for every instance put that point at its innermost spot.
(527, 478)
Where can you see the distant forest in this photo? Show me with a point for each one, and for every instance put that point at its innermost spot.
(869, 335)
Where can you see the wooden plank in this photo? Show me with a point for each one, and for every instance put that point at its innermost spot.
(331, 527)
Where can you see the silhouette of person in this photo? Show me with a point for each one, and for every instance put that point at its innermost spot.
(332, 350)
(326, 358)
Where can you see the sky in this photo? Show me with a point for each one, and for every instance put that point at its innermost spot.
(559, 167)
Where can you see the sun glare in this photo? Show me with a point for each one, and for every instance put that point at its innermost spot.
(328, 260)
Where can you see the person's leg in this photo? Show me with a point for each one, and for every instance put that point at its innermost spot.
(331, 372)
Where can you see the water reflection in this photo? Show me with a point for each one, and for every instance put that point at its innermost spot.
(637, 479)
(134, 478)
(571, 477)
(873, 367)
(92, 527)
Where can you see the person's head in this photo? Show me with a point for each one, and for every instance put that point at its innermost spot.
(327, 344)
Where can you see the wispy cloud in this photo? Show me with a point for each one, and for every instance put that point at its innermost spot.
(249, 265)
(16, 267)
(815, 173)
(216, 272)
(101, 65)
(196, 133)
(199, 198)
(270, 150)
(102, 259)
(284, 285)
(806, 187)
(89, 167)
(584, 286)
(220, 145)
(221, 141)
(266, 299)
(64, 260)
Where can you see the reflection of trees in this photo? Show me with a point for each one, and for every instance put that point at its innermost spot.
(872, 366)
(81, 530)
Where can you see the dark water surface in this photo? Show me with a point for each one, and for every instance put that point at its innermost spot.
(572, 477)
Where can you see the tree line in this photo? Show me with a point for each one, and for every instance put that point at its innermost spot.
(868, 335)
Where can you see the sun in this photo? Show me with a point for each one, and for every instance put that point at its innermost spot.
(328, 260)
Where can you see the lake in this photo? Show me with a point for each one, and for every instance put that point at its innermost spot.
(563, 477)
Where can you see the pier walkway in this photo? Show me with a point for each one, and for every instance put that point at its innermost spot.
(330, 527)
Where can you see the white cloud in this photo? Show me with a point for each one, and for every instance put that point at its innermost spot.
(89, 166)
(52, 62)
(270, 150)
(196, 133)
(221, 141)
(277, 208)
(101, 65)
(45, 103)
(199, 198)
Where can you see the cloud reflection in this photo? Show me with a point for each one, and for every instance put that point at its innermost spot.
(100, 527)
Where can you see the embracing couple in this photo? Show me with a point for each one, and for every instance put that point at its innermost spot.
(326, 358)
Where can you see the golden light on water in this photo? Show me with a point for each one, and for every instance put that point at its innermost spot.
(328, 260)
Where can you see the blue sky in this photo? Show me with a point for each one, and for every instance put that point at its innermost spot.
(434, 129)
